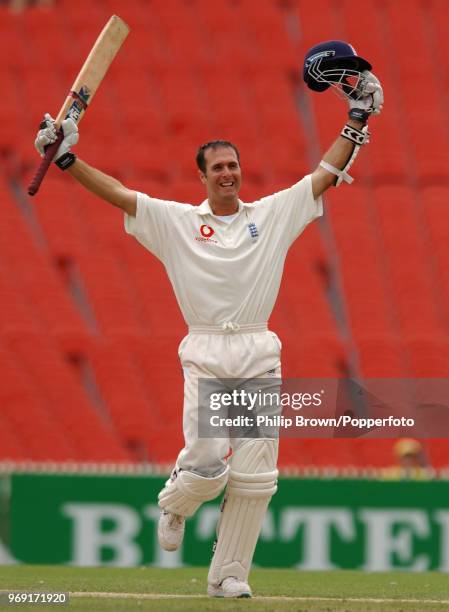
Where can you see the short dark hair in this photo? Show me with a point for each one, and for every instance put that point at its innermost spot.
(214, 144)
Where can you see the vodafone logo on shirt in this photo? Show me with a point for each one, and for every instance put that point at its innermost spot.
(206, 235)
(207, 231)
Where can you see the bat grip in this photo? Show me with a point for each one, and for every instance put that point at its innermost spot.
(50, 151)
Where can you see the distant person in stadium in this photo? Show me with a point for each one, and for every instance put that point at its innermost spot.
(225, 259)
(411, 461)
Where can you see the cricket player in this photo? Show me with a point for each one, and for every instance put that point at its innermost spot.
(225, 259)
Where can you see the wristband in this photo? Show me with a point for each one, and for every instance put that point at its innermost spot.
(358, 137)
(358, 114)
(66, 160)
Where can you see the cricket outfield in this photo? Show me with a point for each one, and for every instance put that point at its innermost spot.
(148, 588)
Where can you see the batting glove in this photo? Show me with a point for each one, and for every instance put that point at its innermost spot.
(47, 135)
(371, 95)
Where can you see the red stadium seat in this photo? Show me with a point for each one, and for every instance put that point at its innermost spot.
(381, 356)
(429, 357)
(410, 269)
(366, 294)
(433, 201)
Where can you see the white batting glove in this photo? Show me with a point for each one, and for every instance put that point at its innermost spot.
(47, 135)
(372, 96)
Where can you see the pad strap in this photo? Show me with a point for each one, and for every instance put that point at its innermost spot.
(341, 174)
(185, 491)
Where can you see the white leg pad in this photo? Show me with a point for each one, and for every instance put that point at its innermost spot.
(185, 491)
(252, 482)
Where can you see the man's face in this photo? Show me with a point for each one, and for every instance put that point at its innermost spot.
(223, 176)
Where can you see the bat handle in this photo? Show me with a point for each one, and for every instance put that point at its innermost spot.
(50, 151)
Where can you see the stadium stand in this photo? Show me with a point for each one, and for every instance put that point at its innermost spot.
(89, 326)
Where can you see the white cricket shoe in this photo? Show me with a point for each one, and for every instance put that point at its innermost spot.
(229, 587)
(170, 530)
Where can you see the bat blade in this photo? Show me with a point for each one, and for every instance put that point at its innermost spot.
(85, 86)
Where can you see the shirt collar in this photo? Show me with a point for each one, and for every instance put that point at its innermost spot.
(205, 209)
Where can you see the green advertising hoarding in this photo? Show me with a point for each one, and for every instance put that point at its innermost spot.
(311, 524)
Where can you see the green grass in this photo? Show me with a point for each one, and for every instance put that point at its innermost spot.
(328, 591)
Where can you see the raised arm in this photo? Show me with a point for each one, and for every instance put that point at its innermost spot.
(333, 168)
(106, 187)
(335, 65)
(337, 156)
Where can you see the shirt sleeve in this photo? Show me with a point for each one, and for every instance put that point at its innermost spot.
(296, 207)
(150, 225)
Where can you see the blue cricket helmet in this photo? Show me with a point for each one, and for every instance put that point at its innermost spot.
(334, 63)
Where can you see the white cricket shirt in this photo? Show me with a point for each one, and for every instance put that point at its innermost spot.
(222, 271)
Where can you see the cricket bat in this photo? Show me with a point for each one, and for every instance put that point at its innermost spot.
(83, 89)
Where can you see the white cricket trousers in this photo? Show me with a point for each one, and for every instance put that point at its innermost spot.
(229, 351)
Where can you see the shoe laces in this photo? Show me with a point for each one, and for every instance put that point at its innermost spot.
(176, 521)
(230, 579)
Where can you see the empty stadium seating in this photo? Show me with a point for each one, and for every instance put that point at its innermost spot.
(89, 326)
